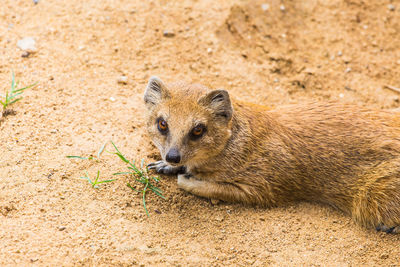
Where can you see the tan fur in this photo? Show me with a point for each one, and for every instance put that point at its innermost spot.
(342, 155)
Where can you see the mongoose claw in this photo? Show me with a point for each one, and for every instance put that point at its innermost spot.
(153, 165)
(163, 168)
(389, 230)
(187, 175)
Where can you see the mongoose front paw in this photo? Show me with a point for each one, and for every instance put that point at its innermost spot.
(164, 168)
(187, 182)
(389, 230)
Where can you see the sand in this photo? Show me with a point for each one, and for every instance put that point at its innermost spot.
(267, 52)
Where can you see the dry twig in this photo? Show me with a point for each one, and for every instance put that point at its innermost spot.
(394, 89)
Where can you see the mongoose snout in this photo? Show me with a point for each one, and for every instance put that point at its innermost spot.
(342, 155)
(173, 156)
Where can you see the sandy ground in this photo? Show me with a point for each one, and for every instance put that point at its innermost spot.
(276, 53)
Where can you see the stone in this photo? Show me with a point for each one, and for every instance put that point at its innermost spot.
(265, 7)
(27, 44)
(25, 54)
(122, 79)
(214, 201)
(168, 33)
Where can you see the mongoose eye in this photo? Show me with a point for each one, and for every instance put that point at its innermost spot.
(198, 131)
(162, 126)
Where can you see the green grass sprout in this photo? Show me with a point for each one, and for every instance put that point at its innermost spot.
(140, 175)
(96, 181)
(91, 157)
(12, 96)
(97, 158)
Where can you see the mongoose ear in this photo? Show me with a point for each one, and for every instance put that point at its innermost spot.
(155, 92)
(220, 102)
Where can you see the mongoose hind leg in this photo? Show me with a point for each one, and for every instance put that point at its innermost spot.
(218, 191)
(164, 168)
(377, 203)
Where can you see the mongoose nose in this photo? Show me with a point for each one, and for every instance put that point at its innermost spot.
(173, 156)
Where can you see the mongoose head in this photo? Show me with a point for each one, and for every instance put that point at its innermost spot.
(188, 123)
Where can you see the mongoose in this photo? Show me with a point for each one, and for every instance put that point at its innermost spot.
(342, 155)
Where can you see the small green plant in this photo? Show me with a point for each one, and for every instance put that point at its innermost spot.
(140, 175)
(91, 157)
(96, 181)
(97, 158)
(12, 96)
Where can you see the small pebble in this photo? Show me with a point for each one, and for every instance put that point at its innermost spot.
(168, 33)
(62, 228)
(341, 95)
(27, 44)
(214, 201)
(347, 70)
(122, 79)
(35, 2)
(265, 7)
(346, 59)
(339, 53)
(112, 99)
(282, 8)
(276, 80)
(309, 70)
(219, 218)
(209, 50)
(391, 7)
(25, 54)
(384, 255)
